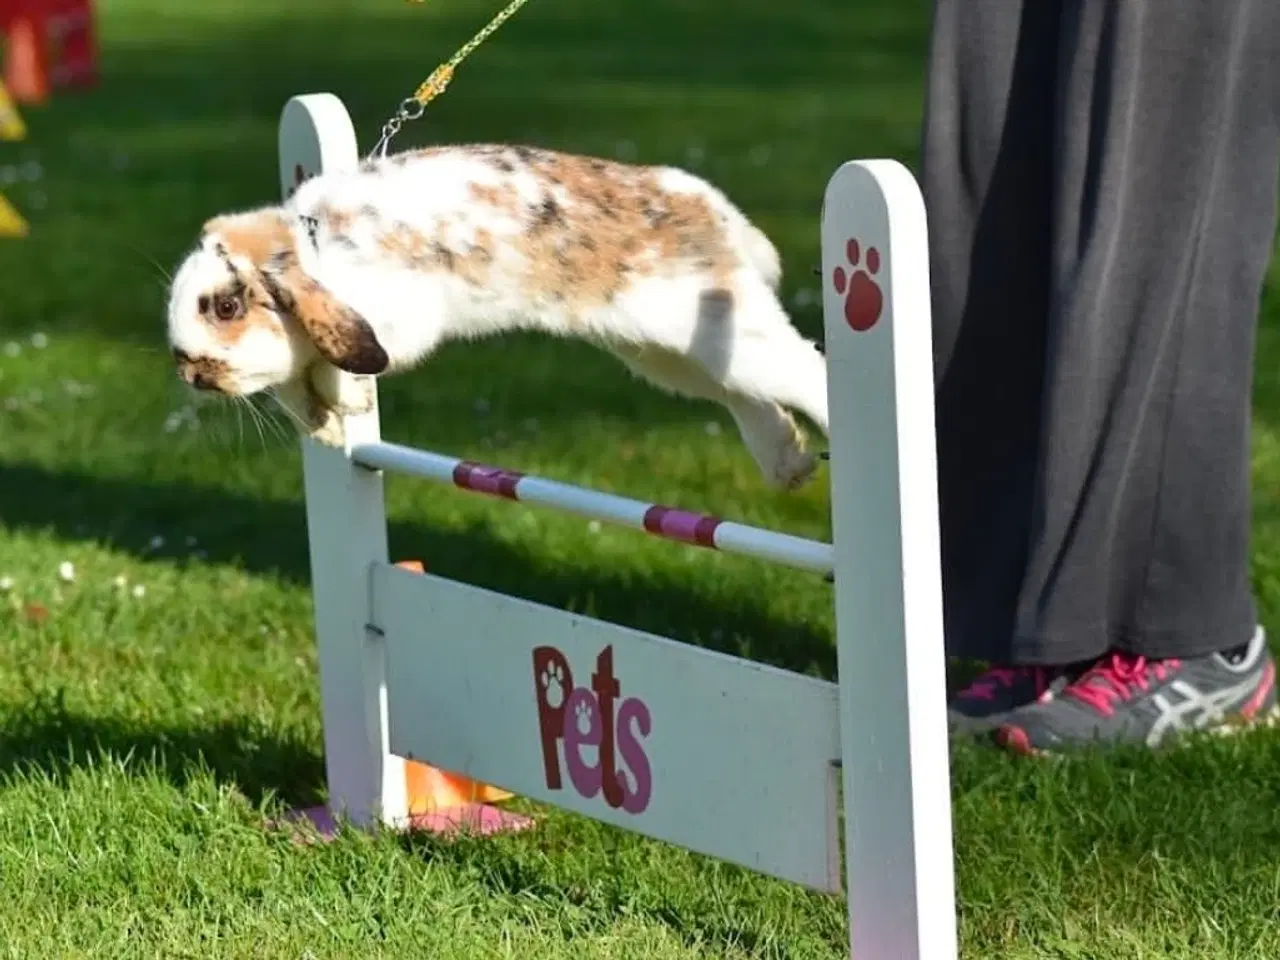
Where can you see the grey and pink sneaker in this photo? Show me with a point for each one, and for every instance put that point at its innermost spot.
(992, 698)
(1128, 699)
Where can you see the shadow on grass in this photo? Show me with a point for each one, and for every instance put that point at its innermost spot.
(587, 868)
(269, 538)
(266, 537)
(45, 739)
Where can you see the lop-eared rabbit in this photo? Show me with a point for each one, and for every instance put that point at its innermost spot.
(366, 272)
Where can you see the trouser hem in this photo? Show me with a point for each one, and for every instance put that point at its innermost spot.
(1060, 649)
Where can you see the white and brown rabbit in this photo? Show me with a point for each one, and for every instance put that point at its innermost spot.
(368, 271)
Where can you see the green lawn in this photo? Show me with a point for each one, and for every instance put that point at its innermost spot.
(169, 700)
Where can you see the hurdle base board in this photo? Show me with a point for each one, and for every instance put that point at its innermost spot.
(320, 824)
(718, 755)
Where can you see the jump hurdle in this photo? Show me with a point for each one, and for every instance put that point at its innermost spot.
(641, 731)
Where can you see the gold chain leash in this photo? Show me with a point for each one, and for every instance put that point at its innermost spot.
(413, 107)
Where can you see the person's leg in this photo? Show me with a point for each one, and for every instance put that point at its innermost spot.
(1164, 217)
(987, 176)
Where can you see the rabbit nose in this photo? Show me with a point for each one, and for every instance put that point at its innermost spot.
(194, 372)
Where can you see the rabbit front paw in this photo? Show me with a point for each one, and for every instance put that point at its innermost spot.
(309, 412)
(347, 394)
(329, 431)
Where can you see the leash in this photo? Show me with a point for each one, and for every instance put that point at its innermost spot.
(411, 108)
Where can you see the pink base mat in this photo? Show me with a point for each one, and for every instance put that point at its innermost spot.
(475, 818)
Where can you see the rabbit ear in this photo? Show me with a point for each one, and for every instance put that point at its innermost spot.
(342, 335)
(263, 239)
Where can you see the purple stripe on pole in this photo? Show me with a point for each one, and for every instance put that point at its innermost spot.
(486, 479)
(682, 525)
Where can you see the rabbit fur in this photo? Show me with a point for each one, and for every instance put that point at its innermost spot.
(366, 272)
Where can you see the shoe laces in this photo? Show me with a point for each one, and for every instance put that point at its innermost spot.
(1117, 678)
(997, 679)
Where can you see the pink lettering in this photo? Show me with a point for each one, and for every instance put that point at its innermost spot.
(633, 717)
(598, 729)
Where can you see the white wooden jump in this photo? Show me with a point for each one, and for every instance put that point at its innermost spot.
(719, 755)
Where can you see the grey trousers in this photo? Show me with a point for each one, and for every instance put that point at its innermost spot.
(1101, 182)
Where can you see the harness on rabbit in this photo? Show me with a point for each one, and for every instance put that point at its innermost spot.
(413, 107)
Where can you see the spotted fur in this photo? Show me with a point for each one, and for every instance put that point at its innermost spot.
(370, 270)
(203, 373)
(341, 335)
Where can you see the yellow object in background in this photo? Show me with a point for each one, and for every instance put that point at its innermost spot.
(11, 222)
(11, 125)
(11, 128)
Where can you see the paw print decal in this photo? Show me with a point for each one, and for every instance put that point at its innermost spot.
(552, 680)
(863, 298)
(584, 716)
(592, 738)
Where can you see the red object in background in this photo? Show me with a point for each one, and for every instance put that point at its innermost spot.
(50, 45)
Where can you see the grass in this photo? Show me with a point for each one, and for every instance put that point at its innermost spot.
(168, 700)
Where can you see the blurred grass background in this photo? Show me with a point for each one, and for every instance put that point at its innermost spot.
(167, 698)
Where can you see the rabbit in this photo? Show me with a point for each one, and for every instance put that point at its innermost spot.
(365, 272)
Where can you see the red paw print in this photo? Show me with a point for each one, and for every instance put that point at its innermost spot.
(863, 298)
(299, 178)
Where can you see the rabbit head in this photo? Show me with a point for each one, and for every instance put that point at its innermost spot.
(243, 316)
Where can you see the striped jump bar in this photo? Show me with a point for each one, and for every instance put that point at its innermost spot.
(667, 522)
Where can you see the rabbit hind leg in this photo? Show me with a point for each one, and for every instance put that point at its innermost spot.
(770, 433)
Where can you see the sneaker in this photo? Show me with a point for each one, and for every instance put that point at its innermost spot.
(1129, 699)
(990, 699)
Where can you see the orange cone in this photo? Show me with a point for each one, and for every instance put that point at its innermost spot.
(431, 790)
(26, 66)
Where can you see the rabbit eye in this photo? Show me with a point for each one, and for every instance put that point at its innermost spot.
(227, 307)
